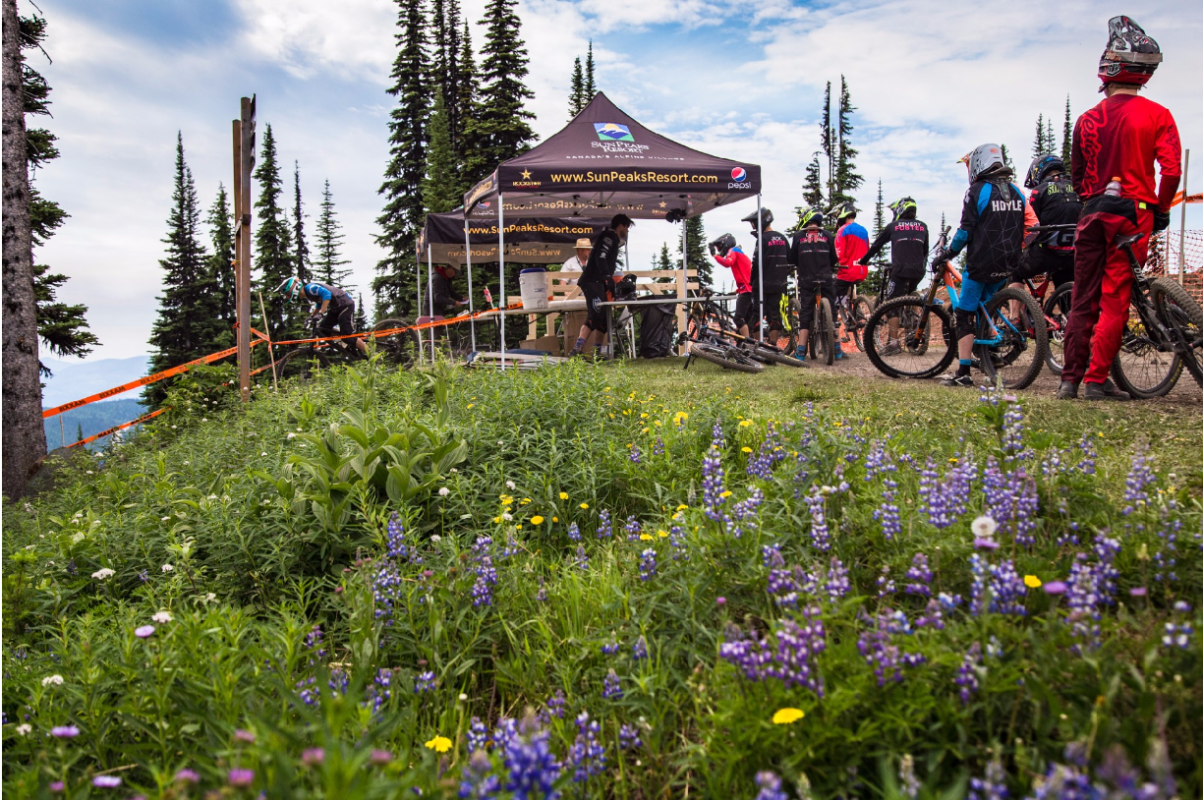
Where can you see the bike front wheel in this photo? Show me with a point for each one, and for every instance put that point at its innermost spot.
(725, 357)
(822, 334)
(905, 338)
(1184, 318)
(1013, 325)
(302, 366)
(1144, 367)
(1056, 316)
(397, 342)
(861, 311)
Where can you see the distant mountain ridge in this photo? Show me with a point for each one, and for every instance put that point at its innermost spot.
(75, 379)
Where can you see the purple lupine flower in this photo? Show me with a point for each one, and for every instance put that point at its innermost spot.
(1063, 782)
(586, 756)
(64, 731)
(486, 574)
(906, 777)
(556, 703)
(313, 643)
(878, 461)
(837, 584)
(634, 456)
(919, 576)
(782, 588)
(425, 683)
(749, 654)
(658, 447)
(106, 781)
(772, 451)
(574, 532)
(770, 556)
(632, 528)
(1177, 634)
(582, 558)
(885, 584)
(612, 686)
(1140, 478)
(628, 738)
(639, 649)
(717, 442)
(797, 646)
(967, 673)
(944, 500)
(676, 540)
(647, 564)
(395, 546)
(478, 735)
(770, 787)
(991, 787)
(541, 595)
(820, 537)
(887, 513)
(1089, 455)
(611, 648)
(877, 647)
(605, 528)
(531, 766)
(996, 587)
(187, 776)
(1011, 500)
(505, 732)
(1012, 434)
(932, 617)
(476, 782)
(241, 777)
(713, 485)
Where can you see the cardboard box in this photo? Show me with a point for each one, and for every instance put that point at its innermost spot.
(573, 320)
(548, 344)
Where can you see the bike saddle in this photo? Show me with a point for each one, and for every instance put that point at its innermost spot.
(1128, 241)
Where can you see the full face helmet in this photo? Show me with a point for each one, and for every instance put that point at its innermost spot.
(291, 288)
(1041, 166)
(811, 216)
(723, 244)
(904, 208)
(1130, 57)
(984, 161)
(841, 211)
(766, 217)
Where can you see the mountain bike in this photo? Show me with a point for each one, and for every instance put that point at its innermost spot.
(820, 344)
(710, 336)
(851, 315)
(303, 363)
(1056, 305)
(1164, 335)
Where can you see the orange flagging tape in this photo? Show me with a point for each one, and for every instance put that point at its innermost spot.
(1191, 198)
(116, 428)
(218, 356)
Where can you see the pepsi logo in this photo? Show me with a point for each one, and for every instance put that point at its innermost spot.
(739, 174)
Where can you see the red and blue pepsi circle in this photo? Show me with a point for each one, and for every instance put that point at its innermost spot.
(739, 174)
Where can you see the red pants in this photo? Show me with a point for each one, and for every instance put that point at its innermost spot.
(1102, 291)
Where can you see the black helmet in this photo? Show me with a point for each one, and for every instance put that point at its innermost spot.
(811, 216)
(904, 208)
(1041, 166)
(841, 211)
(723, 244)
(765, 215)
(1131, 56)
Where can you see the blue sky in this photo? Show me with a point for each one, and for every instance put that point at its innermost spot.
(931, 80)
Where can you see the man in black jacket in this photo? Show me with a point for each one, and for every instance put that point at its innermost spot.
(776, 273)
(603, 261)
(908, 241)
(813, 256)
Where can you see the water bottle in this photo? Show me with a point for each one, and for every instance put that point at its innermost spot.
(1113, 188)
(489, 297)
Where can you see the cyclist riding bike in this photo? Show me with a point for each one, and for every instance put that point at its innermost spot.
(730, 255)
(333, 302)
(1054, 202)
(1114, 147)
(908, 241)
(992, 228)
(814, 258)
(776, 272)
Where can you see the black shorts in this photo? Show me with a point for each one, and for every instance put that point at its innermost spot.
(1057, 264)
(772, 309)
(844, 288)
(594, 292)
(806, 301)
(745, 309)
(898, 287)
(340, 318)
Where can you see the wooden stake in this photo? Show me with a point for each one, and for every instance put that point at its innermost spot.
(270, 347)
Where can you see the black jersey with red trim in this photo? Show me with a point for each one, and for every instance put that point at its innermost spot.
(813, 255)
(776, 262)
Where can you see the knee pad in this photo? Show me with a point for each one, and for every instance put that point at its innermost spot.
(965, 322)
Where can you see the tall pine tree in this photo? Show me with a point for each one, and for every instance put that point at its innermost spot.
(1067, 134)
(500, 122)
(1039, 144)
(394, 286)
(62, 327)
(273, 258)
(590, 76)
(300, 250)
(696, 256)
(576, 97)
(361, 315)
(812, 189)
(463, 142)
(328, 268)
(221, 263)
(827, 140)
(872, 283)
(189, 323)
(847, 180)
(441, 191)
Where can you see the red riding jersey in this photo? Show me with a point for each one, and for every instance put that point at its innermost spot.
(1120, 138)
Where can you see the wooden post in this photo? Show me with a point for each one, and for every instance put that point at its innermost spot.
(270, 347)
(244, 161)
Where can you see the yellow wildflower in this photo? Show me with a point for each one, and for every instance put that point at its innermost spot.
(1032, 582)
(682, 507)
(585, 506)
(471, 404)
(439, 744)
(662, 534)
(563, 495)
(746, 449)
(536, 520)
(785, 716)
(745, 423)
(725, 494)
(645, 537)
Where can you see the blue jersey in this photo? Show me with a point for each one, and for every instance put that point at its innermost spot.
(321, 292)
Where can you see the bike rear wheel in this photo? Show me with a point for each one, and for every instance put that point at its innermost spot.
(1056, 312)
(861, 311)
(302, 366)
(1184, 318)
(771, 355)
(725, 357)
(400, 349)
(1144, 367)
(1019, 355)
(919, 347)
(822, 334)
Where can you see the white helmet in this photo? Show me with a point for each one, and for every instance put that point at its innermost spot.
(983, 161)
(291, 288)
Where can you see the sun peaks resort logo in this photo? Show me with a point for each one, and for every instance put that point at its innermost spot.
(613, 132)
(739, 179)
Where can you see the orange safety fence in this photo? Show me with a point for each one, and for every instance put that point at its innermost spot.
(1179, 257)
(116, 428)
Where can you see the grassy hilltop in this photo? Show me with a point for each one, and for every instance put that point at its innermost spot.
(613, 581)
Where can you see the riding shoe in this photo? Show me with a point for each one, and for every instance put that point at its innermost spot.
(891, 349)
(1068, 390)
(838, 354)
(964, 381)
(1105, 391)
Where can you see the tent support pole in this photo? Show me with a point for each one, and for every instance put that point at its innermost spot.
(501, 269)
(430, 294)
(468, 263)
(760, 268)
(418, 286)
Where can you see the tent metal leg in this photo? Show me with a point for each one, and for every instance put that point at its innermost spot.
(501, 269)
(430, 293)
(468, 264)
(418, 286)
(760, 268)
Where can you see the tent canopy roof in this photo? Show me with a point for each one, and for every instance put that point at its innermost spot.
(604, 163)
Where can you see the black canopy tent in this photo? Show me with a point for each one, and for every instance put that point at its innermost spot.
(446, 239)
(604, 163)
